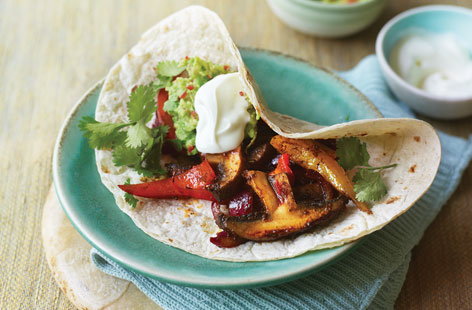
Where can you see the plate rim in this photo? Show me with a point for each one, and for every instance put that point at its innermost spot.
(340, 251)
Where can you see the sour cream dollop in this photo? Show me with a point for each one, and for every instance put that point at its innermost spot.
(222, 114)
(436, 63)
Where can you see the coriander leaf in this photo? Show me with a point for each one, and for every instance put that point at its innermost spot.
(152, 157)
(161, 82)
(369, 185)
(141, 104)
(138, 135)
(130, 199)
(145, 159)
(148, 173)
(125, 156)
(160, 131)
(102, 135)
(351, 152)
(169, 68)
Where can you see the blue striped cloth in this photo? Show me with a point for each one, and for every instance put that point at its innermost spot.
(371, 276)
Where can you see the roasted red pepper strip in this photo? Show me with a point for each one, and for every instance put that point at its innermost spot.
(198, 177)
(190, 184)
(283, 166)
(163, 118)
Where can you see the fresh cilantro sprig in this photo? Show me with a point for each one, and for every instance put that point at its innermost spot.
(166, 71)
(102, 135)
(130, 199)
(351, 153)
(169, 68)
(133, 144)
(368, 183)
(369, 186)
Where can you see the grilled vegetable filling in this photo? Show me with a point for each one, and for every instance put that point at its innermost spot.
(268, 188)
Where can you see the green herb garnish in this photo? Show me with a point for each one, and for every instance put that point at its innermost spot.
(130, 199)
(133, 144)
(368, 183)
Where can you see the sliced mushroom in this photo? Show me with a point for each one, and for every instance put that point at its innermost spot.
(311, 155)
(228, 167)
(259, 157)
(283, 216)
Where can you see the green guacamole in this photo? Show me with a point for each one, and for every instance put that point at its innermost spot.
(182, 92)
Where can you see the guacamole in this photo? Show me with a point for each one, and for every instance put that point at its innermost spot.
(182, 92)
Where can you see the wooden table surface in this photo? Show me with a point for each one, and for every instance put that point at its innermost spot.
(53, 51)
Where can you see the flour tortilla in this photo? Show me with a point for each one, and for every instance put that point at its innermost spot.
(188, 224)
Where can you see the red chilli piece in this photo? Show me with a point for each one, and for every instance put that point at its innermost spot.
(283, 166)
(241, 93)
(190, 87)
(183, 95)
(162, 117)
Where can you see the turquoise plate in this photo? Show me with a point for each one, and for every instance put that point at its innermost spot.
(289, 86)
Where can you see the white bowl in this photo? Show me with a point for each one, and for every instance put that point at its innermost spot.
(329, 20)
(436, 19)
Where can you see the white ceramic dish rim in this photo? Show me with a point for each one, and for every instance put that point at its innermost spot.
(384, 63)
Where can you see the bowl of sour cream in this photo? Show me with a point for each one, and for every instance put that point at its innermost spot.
(425, 55)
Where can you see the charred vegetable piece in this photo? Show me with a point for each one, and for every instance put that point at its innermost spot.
(326, 149)
(190, 184)
(283, 218)
(241, 204)
(198, 177)
(310, 155)
(221, 213)
(283, 190)
(228, 167)
(261, 186)
(260, 156)
(311, 188)
(316, 194)
(331, 144)
(224, 239)
(174, 169)
(283, 166)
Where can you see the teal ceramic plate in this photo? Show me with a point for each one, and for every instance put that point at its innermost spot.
(289, 86)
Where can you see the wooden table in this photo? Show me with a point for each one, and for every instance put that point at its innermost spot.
(53, 51)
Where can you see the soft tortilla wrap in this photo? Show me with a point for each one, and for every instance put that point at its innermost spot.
(188, 224)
